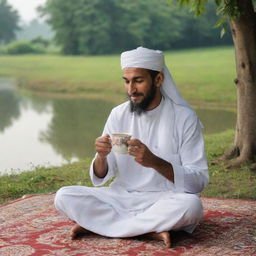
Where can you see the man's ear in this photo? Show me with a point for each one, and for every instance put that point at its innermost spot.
(159, 79)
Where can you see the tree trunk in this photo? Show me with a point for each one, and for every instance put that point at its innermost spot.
(244, 37)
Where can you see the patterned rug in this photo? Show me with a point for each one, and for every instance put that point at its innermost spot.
(31, 226)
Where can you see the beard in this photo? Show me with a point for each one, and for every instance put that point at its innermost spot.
(142, 106)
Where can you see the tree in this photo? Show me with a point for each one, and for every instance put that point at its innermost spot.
(111, 26)
(107, 26)
(8, 22)
(200, 31)
(34, 29)
(241, 16)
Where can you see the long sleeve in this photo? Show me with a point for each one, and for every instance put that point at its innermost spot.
(112, 166)
(192, 175)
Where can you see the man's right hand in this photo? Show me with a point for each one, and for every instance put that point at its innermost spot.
(103, 146)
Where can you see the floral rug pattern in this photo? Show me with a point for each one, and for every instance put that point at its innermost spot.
(32, 227)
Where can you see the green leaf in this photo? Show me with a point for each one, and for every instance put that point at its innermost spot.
(222, 32)
(254, 4)
(219, 22)
(218, 2)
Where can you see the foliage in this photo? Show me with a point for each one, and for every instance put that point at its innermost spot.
(2, 50)
(225, 9)
(111, 26)
(91, 27)
(40, 41)
(23, 47)
(200, 31)
(8, 22)
(34, 29)
(196, 6)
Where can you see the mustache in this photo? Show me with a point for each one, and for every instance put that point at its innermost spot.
(135, 94)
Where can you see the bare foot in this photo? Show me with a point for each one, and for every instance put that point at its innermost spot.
(162, 236)
(77, 230)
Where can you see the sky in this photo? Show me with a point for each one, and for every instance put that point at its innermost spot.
(26, 8)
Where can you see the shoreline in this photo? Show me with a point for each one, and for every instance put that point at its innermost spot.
(117, 97)
(224, 183)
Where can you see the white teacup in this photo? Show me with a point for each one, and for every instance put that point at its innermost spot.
(119, 142)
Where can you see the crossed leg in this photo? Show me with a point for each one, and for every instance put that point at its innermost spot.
(185, 209)
(77, 230)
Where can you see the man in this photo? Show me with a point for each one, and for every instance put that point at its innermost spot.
(156, 183)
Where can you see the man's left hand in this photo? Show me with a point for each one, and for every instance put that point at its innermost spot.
(141, 153)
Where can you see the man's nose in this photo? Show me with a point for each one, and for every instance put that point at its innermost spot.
(131, 88)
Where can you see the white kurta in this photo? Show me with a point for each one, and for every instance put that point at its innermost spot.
(140, 200)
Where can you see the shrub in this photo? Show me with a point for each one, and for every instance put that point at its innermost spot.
(2, 50)
(23, 47)
(40, 41)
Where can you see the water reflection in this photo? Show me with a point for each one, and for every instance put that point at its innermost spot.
(36, 130)
(9, 108)
(75, 125)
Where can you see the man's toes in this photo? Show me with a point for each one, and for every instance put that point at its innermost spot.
(166, 238)
(167, 243)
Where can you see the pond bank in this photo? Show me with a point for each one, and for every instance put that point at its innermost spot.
(59, 129)
(224, 183)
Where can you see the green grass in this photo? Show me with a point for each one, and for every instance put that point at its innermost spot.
(43, 180)
(225, 183)
(202, 75)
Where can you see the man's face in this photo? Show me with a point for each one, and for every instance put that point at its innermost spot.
(140, 88)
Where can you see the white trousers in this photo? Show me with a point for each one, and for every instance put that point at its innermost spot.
(105, 215)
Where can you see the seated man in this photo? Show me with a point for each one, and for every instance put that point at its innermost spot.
(156, 184)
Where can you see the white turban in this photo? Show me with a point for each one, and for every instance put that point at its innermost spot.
(154, 60)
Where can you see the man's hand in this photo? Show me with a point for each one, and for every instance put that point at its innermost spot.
(103, 146)
(141, 153)
(146, 158)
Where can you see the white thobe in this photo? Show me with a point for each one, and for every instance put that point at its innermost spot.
(140, 200)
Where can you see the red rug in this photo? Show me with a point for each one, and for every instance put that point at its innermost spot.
(31, 226)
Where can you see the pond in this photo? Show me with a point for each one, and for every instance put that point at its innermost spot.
(46, 131)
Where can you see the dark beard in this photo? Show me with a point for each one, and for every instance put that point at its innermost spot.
(142, 107)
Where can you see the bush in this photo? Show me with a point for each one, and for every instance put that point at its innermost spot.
(23, 47)
(2, 50)
(40, 41)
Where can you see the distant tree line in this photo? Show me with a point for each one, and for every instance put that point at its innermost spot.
(110, 26)
(9, 19)
(34, 29)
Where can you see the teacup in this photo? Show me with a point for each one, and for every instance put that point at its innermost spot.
(119, 142)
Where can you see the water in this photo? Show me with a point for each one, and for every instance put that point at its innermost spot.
(45, 131)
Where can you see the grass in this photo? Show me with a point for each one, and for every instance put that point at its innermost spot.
(225, 183)
(202, 75)
(43, 180)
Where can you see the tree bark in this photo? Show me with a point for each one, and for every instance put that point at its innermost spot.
(244, 37)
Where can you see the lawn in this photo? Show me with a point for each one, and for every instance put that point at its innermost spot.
(202, 75)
